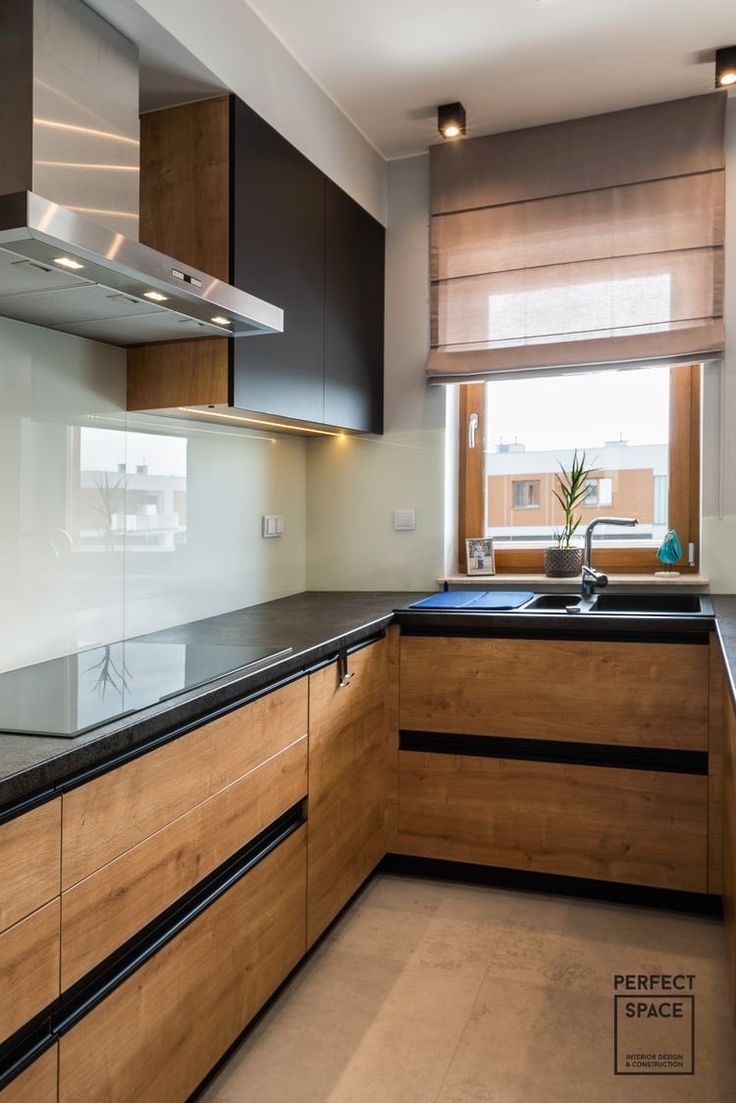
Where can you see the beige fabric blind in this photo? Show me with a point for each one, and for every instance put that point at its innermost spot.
(591, 242)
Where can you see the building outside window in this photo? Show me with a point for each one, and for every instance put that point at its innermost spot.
(525, 493)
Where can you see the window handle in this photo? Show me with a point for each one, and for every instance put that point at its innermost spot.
(472, 429)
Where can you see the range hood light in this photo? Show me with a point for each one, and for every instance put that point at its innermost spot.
(68, 262)
(155, 296)
(220, 321)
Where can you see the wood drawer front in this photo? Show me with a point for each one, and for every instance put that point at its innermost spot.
(157, 1036)
(640, 694)
(347, 782)
(631, 826)
(29, 967)
(39, 1083)
(110, 815)
(30, 853)
(100, 913)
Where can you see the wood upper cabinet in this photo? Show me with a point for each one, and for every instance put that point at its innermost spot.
(218, 182)
(158, 1035)
(347, 781)
(635, 694)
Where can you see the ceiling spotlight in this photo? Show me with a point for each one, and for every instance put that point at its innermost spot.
(220, 321)
(155, 296)
(451, 120)
(726, 67)
(68, 262)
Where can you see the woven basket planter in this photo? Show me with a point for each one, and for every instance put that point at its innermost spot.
(563, 562)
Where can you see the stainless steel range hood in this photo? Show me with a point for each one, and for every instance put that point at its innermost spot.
(69, 258)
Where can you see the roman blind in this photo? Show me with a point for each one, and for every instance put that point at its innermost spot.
(586, 243)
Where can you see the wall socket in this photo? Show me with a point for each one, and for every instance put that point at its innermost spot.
(272, 524)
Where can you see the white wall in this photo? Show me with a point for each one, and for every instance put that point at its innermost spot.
(719, 435)
(66, 580)
(355, 483)
(230, 39)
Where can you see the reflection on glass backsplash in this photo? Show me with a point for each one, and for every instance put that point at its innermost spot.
(138, 503)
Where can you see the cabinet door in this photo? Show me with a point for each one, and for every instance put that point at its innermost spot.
(157, 1036)
(630, 826)
(30, 849)
(347, 782)
(29, 967)
(353, 315)
(278, 253)
(36, 1084)
(634, 694)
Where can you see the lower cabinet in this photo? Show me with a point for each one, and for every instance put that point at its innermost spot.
(157, 1035)
(628, 825)
(729, 830)
(347, 780)
(29, 967)
(36, 1084)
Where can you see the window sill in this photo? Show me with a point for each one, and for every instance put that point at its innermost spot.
(697, 581)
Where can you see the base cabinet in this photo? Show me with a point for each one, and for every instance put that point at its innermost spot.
(36, 1084)
(630, 826)
(729, 832)
(159, 1034)
(347, 781)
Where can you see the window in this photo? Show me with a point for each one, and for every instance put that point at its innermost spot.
(525, 494)
(598, 493)
(640, 430)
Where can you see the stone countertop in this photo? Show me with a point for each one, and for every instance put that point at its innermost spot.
(315, 625)
(725, 607)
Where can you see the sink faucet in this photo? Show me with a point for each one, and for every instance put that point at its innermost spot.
(593, 580)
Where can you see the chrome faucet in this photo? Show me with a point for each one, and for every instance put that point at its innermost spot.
(594, 580)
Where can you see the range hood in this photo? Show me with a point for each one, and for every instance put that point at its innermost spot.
(69, 255)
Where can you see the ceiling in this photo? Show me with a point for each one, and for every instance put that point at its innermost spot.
(513, 63)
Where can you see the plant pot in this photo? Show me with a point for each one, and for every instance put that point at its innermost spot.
(563, 562)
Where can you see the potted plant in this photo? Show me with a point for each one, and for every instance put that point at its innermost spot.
(563, 560)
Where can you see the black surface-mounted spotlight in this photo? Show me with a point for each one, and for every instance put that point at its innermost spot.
(451, 120)
(726, 67)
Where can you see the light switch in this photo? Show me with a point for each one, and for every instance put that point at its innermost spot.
(272, 525)
(405, 520)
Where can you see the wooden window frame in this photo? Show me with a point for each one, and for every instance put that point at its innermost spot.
(684, 485)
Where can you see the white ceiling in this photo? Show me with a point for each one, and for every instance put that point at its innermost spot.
(513, 63)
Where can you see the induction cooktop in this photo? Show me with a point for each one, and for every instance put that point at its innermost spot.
(73, 694)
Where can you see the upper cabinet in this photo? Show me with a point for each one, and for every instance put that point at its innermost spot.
(219, 183)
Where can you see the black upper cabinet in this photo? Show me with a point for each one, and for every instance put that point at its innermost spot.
(277, 221)
(354, 273)
(299, 241)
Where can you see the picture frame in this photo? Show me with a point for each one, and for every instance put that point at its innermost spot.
(480, 556)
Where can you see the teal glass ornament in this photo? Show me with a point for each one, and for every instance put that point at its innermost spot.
(670, 550)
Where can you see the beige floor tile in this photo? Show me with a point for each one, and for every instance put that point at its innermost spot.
(428, 991)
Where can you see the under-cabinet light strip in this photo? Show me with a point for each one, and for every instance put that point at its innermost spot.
(257, 421)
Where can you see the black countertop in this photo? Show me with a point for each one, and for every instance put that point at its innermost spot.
(316, 625)
(725, 607)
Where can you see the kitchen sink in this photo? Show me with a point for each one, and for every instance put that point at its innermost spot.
(649, 603)
(551, 603)
(692, 605)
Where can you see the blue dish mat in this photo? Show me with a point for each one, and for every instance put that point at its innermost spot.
(474, 599)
